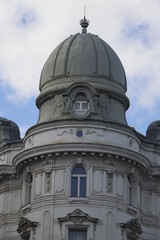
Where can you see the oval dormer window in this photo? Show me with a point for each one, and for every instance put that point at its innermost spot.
(80, 104)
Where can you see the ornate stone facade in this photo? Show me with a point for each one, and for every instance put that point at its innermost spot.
(81, 170)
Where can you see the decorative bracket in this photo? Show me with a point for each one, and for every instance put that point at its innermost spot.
(133, 226)
(25, 226)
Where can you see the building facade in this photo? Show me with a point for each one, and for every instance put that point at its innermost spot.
(81, 172)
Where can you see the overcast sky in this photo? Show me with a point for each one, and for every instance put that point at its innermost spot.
(31, 29)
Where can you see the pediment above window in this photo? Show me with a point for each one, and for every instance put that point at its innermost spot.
(78, 217)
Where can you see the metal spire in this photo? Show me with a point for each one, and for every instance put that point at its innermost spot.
(84, 22)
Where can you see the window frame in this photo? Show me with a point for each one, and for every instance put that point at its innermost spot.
(81, 99)
(28, 188)
(130, 190)
(80, 106)
(78, 230)
(78, 176)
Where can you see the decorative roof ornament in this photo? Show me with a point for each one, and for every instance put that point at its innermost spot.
(84, 22)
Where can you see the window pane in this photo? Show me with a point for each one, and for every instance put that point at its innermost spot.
(77, 234)
(85, 105)
(82, 186)
(76, 106)
(78, 170)
(130, 195)
(74, 186)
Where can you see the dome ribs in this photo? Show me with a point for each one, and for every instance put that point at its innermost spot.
(96, 57)
(83, 55)
(109, 61)
(55, 62)
(67, 54)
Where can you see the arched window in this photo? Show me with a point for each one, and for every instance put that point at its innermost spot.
(28, 187)
(130, 190)
(78, 182)
(80, 104)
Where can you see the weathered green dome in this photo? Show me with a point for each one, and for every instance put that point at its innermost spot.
(83, 55)
(153, 131)
(9, 131)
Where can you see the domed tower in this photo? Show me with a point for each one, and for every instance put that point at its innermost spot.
(82, 172)
(83, 79)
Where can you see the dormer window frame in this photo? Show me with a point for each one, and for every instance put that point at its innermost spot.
(84, 95)
(81, 104)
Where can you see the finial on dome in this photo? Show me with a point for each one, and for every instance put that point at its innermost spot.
(84, 22)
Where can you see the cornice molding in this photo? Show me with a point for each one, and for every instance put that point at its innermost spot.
(6, 170)
(109, 152)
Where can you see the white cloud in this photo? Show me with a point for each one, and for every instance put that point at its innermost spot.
(30, 30)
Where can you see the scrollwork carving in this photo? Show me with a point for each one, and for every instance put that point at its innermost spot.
(133, 228)
(110, 182)
(48, 182)
(25, 227)
(77, 217)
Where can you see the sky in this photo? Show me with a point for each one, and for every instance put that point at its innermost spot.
(30, 30)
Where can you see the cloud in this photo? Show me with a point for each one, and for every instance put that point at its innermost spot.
(30, 30)
(24, 18)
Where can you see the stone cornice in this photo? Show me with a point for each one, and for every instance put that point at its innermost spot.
(6, 170)
(104, 151)
(91, 122)
(155, 171)
(16, 145)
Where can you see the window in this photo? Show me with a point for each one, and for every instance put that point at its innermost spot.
(77, 234)
(130, 190)
(139, 196)
(80, 104)
(78, 182)
(28, 187)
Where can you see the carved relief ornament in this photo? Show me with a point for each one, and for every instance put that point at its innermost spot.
(133, 227)
(78, 217)
(25, 226)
